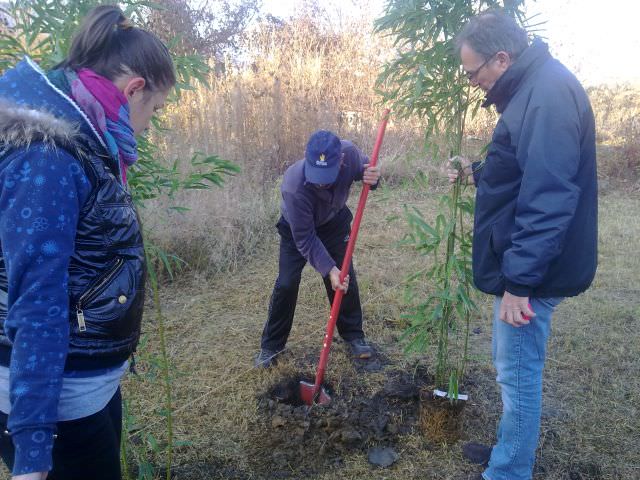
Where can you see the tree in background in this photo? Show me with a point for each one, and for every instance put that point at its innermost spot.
(6, 20)
(209, 30)
(425, 79)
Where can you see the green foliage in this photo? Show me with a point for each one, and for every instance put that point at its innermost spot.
(443, 318)
(426, 79)
(136, 453)
(150, 179)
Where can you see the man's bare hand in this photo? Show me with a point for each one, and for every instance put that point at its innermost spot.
(515, 311)
(334, 276)
(371, 175)
(465, 169)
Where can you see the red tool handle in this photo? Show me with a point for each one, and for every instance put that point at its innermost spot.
(337, 299)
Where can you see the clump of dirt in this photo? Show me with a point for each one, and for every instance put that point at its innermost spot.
(293, 439)
(440, 420)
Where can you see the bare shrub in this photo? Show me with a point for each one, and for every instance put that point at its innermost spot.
(297, 78)
(209, 29)
(617, 112)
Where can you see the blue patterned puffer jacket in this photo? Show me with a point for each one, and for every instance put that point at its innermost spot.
(47, 146)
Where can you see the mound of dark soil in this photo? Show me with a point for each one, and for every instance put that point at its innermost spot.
(292, 439)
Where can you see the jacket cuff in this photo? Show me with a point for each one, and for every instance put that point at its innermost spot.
(325, 269)
(517, 289)
(33, 450)
(475, 171)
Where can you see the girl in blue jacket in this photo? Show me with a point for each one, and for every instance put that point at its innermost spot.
(71, 253)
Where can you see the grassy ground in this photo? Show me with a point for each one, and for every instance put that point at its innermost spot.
(590, 426)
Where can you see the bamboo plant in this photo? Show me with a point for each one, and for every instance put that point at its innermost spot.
(425, 79)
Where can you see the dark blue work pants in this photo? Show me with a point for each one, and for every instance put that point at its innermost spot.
(334, 236)
(86, 448)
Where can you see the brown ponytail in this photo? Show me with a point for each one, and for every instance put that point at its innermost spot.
(109, 44)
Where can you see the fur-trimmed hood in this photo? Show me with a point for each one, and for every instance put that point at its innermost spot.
(32, 110)
(21, 126)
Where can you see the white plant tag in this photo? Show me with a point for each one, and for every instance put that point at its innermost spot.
(440, 393)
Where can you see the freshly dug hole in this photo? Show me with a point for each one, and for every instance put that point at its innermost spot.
(293, 439)
(288, 391)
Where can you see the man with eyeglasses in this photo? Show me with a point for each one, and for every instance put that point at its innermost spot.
(535, 228)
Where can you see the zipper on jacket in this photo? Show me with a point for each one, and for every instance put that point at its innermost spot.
(93, 292)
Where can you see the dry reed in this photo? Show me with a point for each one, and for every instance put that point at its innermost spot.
(296, 78)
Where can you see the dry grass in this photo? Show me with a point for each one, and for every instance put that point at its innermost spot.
(590, 421)
(617, 111)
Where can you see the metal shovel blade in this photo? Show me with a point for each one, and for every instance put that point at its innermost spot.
(307, 394)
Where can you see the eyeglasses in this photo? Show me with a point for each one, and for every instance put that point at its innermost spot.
(471, 75)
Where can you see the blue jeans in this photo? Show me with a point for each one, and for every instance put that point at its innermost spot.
(518, 355)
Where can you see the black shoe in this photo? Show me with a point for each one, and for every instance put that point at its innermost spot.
(266, 358)
(360, 349)
(477, 453)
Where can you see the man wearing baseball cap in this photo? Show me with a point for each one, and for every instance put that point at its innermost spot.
(314, 227)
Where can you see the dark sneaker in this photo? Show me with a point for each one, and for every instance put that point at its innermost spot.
(266, 358)
(360, 349)
(477, 453)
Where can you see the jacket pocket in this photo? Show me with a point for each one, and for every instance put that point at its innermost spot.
(500, 237)
(102, 311)
(487, 264)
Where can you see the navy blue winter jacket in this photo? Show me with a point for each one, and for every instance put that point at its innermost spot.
(535, 229)
(72, 265)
